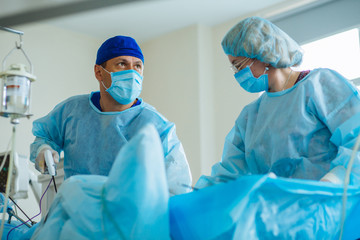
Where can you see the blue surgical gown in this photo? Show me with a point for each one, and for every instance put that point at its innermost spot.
(130, 203)
(91, 139)
(303, 132)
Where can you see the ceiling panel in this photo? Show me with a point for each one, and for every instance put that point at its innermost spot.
(143, 19)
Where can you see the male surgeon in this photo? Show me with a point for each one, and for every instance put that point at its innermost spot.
(91, 129)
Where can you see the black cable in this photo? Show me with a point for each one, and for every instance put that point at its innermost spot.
(32, 223)
(33, 216)
(53, 178)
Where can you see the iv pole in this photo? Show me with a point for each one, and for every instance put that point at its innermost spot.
(11, 30)
(14, 121)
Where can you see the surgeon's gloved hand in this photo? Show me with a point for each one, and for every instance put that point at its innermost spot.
(40, 164)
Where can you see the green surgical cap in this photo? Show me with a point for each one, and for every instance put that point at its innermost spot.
(255, 37)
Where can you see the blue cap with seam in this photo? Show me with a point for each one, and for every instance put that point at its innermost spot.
(118, 46)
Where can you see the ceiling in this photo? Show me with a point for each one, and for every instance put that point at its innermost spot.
(142, 19)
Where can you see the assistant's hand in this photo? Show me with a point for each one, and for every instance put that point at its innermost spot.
(40, 164)
(324, 180)
(335, 175)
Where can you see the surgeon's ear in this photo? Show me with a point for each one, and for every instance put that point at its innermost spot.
(97, 71)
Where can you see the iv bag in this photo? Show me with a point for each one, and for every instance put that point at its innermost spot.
(15, 90)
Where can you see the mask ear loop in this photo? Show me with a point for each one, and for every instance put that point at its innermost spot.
(252, 63)
(105, 70)
(104, 85)
(266, 69)
(102, 82)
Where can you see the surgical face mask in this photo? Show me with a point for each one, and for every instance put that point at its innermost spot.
(125, 86)
(250, 83)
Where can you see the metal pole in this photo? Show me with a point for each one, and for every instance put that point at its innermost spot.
(11, 30)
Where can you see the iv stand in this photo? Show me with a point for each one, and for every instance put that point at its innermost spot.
(14, 121)
(11, 30)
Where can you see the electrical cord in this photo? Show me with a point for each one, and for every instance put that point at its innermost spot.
(53, 178)
(33, 216)
(32, 223)
(346, 183)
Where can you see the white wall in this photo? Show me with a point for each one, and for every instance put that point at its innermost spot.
(170, 84)
(206, 101)
(63, 64)
(178, 82)
(229, 97)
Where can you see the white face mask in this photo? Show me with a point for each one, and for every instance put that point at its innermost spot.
(125, 86)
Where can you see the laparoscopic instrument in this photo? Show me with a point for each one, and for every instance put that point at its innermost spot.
(49, 160)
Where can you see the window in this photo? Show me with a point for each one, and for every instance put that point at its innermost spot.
(340, 52)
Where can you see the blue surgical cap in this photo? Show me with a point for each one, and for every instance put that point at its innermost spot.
(255, 37)
(118, 46)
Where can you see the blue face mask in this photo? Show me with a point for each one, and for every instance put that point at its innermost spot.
(125, 86)
(250, 83)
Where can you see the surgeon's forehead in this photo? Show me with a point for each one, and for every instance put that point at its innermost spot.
(126, 58)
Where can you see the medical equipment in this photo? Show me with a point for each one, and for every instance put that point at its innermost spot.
(15, 87)
(49, 160)
(15, 91)
(15, 95)
(51, 190)
(20, 183)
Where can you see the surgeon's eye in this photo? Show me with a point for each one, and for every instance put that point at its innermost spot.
(122, 64)
(138, 66)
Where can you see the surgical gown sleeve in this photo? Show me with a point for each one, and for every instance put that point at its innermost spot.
(177, 167)
(336, 102)
(47, 130)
